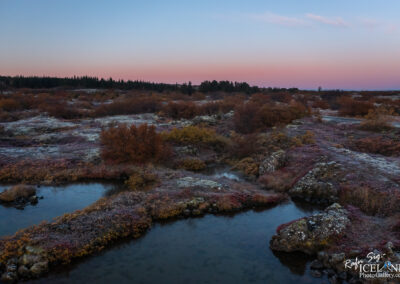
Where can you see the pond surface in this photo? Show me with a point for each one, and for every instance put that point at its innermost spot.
(57, 200)
(212, 249)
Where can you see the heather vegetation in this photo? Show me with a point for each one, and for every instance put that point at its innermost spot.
(177, 151)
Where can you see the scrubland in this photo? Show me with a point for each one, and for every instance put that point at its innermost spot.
(323, 147)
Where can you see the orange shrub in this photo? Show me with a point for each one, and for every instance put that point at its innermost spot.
(193, 164)
(124, 144)
(17, 191)
(377, 120)
(278, 115)
(195, 135)
(370, 200)
(141, 180)
(248, 166)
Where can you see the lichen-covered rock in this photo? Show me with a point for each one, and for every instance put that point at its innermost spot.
(311, 234)
(23, 272)
(276, 161)
(39, 268)
(187, 150)
(9, 277)
(316, 186)
(197, 182)
(207, 119)
(28, 259)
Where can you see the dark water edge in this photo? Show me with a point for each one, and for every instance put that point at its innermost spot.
(211, 249)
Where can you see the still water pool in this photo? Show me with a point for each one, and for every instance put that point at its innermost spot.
(212, 249)
(57, 200)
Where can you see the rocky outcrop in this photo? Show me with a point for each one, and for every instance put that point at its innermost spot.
(317, 186)
(197, 182)
(276, 161)
(311, 234)
(30, 265)
(205, 119)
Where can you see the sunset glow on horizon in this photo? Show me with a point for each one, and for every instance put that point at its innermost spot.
(304, 44)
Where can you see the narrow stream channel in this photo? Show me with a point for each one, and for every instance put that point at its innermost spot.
(212, 249)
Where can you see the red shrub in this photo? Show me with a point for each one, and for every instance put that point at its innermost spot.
(246, 119)
(320, 104)
(62, 111)
(133, 105)
(241, 148)
(377, 145)
(124, 144)
(9, 104)
(251, 117)
(181, 110)
(352, 107)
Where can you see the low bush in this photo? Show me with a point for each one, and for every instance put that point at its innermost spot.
(180, 110)
(61, 111)
(351, 107)
(130, 105)
(377, 120)
(131, 144)
(279, 180)
(141, 180)
(246, 119)
(219, 107)
(251, 117)
(370, 200)
(17, 191)
(248, 166)
(377, 145)
(244, 145)
(281, 115)
(194, 135)
(192, 164)
(9, 104)
(277, 140)
(320, 104)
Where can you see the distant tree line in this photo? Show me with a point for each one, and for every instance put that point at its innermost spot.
(83, 82)
(227, 86)
(35, 82)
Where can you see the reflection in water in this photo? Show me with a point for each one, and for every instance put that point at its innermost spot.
(212, 249)
(295, 261)
(306, 207)
(57, 200)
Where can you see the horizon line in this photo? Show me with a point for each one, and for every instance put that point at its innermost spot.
(196, 85)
